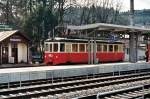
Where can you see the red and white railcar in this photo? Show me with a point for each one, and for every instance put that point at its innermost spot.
(61, 51)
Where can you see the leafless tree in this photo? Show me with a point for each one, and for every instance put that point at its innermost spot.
(100, 11)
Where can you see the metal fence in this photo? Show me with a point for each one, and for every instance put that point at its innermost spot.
(50, 74)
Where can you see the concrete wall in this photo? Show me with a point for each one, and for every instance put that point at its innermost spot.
(43, 74)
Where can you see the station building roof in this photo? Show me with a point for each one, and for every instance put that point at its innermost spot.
(5, 34)
(111, 27)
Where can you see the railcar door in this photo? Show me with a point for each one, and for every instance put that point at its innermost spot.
(15, 52)
(68, 50)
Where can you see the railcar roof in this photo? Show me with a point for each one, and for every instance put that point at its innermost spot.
(58, 39)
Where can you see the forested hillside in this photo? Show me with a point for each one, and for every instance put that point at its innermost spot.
(141, 17)
(38, 18)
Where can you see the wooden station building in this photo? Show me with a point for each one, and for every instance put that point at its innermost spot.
(14, 47)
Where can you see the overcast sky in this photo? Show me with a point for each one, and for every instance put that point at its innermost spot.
(139, 4)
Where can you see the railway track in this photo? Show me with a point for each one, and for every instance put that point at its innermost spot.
(138, 92)
(58, 89)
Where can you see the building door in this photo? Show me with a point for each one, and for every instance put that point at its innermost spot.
(4, 55)
(14, 52)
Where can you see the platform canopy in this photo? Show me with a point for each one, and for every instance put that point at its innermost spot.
(111, 27)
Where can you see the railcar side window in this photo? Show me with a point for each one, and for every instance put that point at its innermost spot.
(62, 47)
(46, 47)
(116, 48)
(99, 47)
(50, 47)
(68, 47)
(105, 48)
(82, 47)
(74, 47)
(87, 47)
(110, 48)
(55, 47)
(120, 48)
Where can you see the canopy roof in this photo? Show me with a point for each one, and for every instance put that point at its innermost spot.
(105, 26)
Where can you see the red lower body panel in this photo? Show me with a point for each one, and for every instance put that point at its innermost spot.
(62, 58)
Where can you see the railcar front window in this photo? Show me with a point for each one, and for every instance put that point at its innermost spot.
(55, 47)
(105, 48)
(46, 47)
(50, 47)
(82, 47)
(74, 47)
(62, 47)
(110, 48)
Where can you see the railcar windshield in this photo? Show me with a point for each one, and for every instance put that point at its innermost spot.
(46, 47)
(50, 47)
(55, 47)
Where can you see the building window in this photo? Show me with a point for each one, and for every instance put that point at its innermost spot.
(82, 47)
(99, 47)
(105, 48)
(110, 48)
(116, 48)
(62, 47)
(74, 47)
(55, 47)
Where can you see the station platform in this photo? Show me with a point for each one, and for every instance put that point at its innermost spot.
(45, 72)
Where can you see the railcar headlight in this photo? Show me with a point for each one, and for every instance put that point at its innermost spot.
(50, 55)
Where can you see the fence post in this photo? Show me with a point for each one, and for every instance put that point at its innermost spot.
(62, 77)
(8, 81)
(20, 79)
(52, 78)
(143, 92)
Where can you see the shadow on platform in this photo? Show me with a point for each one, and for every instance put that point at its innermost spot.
(20, 65)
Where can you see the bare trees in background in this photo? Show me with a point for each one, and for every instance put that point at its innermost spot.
(41, 16)
(91, 11)
(85, 11)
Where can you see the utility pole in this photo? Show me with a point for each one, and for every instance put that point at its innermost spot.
(132, 42)
(132, 12)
